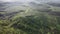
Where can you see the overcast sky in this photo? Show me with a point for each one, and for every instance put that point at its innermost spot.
(27, 0)
(16, 0)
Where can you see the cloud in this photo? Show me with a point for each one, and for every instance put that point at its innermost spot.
(29, 0)
(15, 0)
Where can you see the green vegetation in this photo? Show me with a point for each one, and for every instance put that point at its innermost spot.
(30, 22)
(33, 24)
(55, 9)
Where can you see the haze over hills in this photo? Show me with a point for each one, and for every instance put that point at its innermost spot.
(33, 3)
(40, 5)
(29, 16)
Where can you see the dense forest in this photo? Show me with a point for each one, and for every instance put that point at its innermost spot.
(33, 18)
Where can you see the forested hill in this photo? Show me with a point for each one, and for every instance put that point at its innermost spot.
(33, 17)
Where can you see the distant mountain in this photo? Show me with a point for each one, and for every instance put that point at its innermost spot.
(36, 4)
(54, 4)
(4, 5)
(39, 6)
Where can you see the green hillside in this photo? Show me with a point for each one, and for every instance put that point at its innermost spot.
(31, 21)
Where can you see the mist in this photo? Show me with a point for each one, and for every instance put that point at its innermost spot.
(30, 0)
